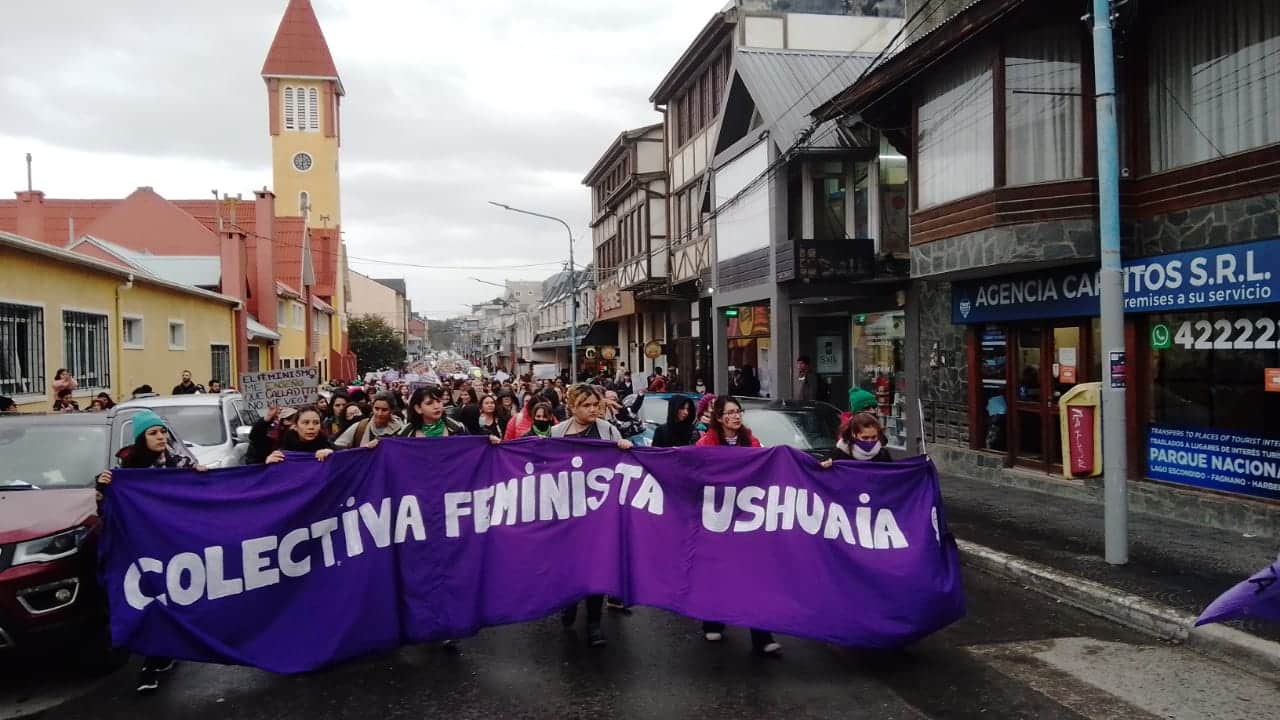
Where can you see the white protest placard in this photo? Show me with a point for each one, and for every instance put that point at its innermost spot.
(294, 386)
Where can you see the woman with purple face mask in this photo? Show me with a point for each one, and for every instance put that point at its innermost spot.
(861, 438)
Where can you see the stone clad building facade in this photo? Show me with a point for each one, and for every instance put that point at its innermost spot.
(992, 102)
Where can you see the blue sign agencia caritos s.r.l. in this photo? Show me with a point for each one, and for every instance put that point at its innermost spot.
(1227, 276)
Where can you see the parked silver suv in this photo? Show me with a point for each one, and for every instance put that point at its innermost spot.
(214, 427)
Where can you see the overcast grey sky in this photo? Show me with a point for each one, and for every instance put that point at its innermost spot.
(449, 103)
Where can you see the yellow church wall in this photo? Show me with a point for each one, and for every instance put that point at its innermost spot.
(320, 181)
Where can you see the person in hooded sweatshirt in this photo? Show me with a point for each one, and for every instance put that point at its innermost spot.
(861, 438)
(679, 430)
(150, 449)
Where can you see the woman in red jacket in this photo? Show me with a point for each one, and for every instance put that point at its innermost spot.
(726, 429)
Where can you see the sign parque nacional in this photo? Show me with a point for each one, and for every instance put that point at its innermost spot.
(421, 540)
(294, 386)
(1224, 276)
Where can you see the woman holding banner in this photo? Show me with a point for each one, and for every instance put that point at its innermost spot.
(861, 438)
(150, 449)
(584, 423)
(726, 430)
(306, 436)
(426, 415)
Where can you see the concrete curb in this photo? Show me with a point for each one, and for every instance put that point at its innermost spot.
(1255, 654)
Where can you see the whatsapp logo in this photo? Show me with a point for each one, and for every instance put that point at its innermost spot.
(1161, 339)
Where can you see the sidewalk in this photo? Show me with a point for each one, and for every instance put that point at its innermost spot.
(1179, 566)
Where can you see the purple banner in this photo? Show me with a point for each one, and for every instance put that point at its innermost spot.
(1257, 597)
(294, 566)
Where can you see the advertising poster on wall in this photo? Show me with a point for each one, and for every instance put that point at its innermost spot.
(1223, 461)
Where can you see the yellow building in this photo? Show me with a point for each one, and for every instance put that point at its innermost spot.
(113, 327)
(291, 326)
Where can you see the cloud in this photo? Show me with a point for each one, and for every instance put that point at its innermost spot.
(449, 104)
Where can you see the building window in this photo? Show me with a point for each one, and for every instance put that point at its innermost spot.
(313, 109)
(1043, 105)
(299, 319)
(220, 356)
(255, 359)
(1214, 83)
(282, 313)
(830, 200)
(177, 335)
(956, 135)
(87, 348)
(21, 350)
(289, 119)
(1213, 373)
(304, 203)
(132, 330)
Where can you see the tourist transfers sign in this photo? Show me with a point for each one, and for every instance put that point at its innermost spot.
(1247, 274)
(1217, 460)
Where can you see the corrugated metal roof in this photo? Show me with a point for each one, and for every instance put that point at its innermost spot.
(787, 84)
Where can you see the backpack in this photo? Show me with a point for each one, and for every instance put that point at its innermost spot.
(358, 439)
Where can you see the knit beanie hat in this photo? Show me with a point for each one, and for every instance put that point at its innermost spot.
(144, 421)
(860, 400)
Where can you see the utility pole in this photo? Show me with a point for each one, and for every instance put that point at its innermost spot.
(573, 284)
(1114, 363)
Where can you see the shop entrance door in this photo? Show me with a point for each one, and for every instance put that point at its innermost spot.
(1049, 359)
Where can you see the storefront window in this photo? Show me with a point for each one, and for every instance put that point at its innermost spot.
(993, 354)
(1213, 372)
(750, 362)
(878, 368)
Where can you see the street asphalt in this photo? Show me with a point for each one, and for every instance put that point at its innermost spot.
(1016, 655)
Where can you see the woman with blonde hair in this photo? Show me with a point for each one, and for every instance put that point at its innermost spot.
(585, 423)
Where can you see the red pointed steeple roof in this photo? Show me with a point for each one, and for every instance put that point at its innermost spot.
(299, 48)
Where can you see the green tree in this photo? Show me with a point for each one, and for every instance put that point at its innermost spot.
(375, 344)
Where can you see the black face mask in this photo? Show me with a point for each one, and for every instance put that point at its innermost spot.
(542, 424)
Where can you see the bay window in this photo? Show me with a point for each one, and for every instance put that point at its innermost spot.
(1213, 86)
(1044, 103)
(955, 131)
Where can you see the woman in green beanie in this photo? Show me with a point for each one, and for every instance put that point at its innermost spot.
(150, 449)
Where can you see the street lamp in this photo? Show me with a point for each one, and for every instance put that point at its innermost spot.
(573, 285)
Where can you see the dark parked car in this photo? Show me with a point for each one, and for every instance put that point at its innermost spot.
(50, 599)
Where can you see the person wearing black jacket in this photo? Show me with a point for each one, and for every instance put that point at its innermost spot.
(861, 438)
(267, 433)
(150, 449)
(305, 436)
(679, 430)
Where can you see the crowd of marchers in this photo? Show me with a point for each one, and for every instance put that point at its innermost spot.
(345, 417)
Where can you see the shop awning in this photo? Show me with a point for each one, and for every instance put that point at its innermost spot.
(601, 332)
(258, 330)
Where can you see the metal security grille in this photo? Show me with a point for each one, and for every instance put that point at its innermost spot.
(21, 350)
(87, 348)
(221, 355)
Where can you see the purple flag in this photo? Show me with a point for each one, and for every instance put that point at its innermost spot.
(293, 566)
(1257, 597)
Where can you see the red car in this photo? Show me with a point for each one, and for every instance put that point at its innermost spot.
(50, 598)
